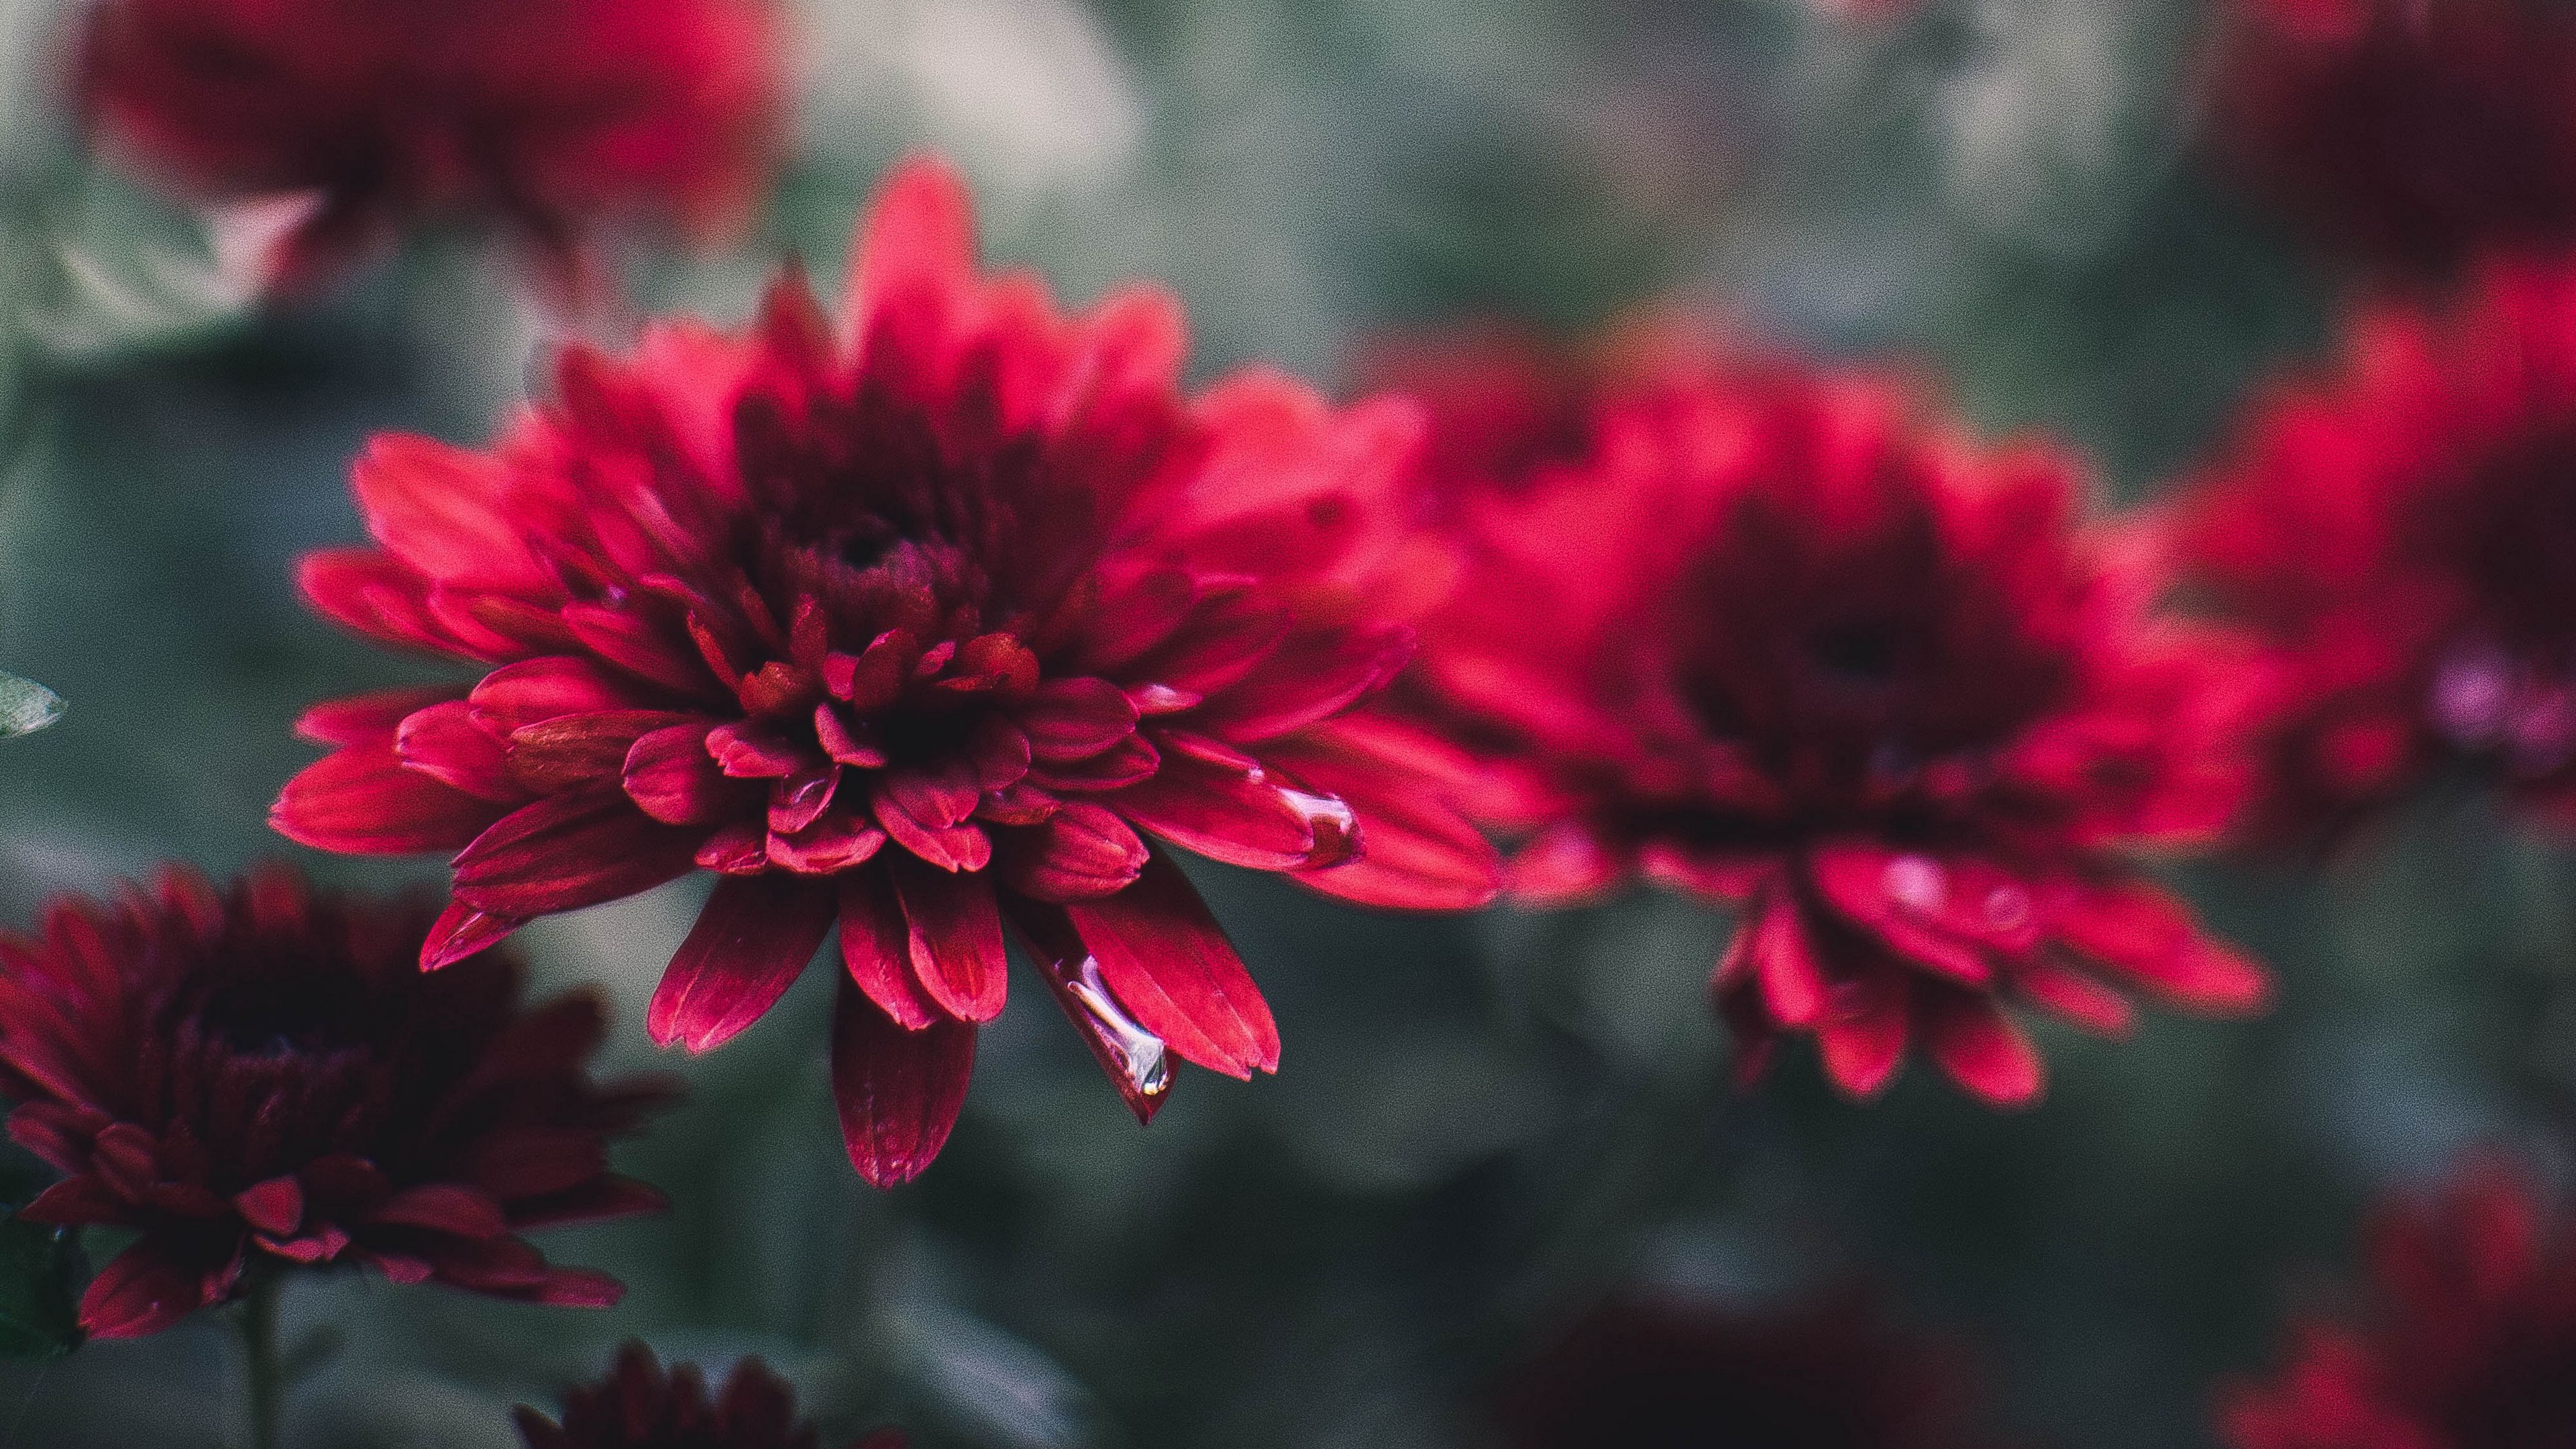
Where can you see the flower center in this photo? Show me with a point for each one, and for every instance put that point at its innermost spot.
(287, 1015)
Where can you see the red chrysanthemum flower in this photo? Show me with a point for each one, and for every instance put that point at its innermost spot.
(638, 1406)
(263, 1079)
(2404, 532)
(2471, 1343)
(1648, 1373)
(915, 631)
(1779, 639)
(2405, 133)
(365, 116)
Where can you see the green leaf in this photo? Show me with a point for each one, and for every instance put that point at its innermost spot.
(26, 706)
(40, 1270)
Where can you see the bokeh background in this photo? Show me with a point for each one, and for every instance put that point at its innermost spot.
(1481, 1124)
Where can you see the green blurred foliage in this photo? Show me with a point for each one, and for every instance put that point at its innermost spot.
(1481, 1124)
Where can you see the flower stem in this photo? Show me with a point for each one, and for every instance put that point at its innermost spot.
(263, 1367)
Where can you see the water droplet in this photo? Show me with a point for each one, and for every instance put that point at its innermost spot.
(1337, 830)
(1917, 883)
(1137, 1052)
(2007, 908)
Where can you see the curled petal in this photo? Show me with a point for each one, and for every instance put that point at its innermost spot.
(1080, 852)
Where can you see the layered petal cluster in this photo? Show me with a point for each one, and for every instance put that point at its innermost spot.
(639, 1406)
(1782, 639)
(2470, 1342)
(261, 1079)
(924, 628)
(352, 119)
(2402, 530)
(1651, 1372)
(2408, 135)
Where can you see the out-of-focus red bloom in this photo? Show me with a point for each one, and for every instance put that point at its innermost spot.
(2470, 1344)
(263, 1079)
(371, 115)
(638, 1406)
(1647, 1374)
(914, 629)
(1781, 639)
(2404, 531)
(2409, 134)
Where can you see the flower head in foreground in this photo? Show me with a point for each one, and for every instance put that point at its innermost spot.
(1779, 639)
(2404, 133)
(1665, 1375)
(2403, 531)
(2471, 1342)
(356, 118)
(263, 1079)
(638, 1406)
(922, 629)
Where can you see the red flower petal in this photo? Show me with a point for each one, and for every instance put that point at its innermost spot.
(569, 851)
(876, 947)
(362, 801)
(275, 1207)
(2142, 932)
(1167, 961)
(515, 696)
(1863, 1038)
(444, 1207)
(1242, 816)
(141, 1291)
(461, 931)
(1310, 679)
(576, 750)
(444, 511)
(898, 1091)
(1981, 1049)
(918, 237)
(364, 718)
(954, 929)
(443, 743)
(753, 939)
(671, 777)
(1072, 719)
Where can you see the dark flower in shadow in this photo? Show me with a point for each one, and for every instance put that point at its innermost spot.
(2469, 1342)
(638, 1406)
(263, 1079)
(2406, 133)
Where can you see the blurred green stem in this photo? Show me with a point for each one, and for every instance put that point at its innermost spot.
(263, 1367)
